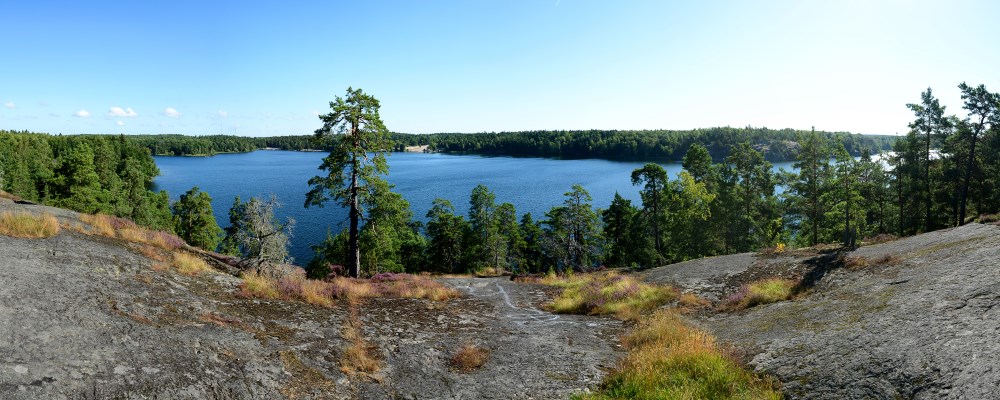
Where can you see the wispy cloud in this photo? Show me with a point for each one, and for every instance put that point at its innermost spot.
(119, 123)
(82, 114)
(119, 112)
(9, 104)
(171, 112)
(223, 114)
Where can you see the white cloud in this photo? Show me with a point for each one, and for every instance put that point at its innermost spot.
(9, 104)
(119, 123)
(223, 114)
(171, 112)
(118, 112)
(316, 113)
(82, 113)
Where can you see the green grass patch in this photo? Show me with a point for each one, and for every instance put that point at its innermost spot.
(668, 359)
(764, 291)
(607, 293)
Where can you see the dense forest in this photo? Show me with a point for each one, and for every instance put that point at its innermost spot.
(647, 145)
(101, 174)
(650, 145)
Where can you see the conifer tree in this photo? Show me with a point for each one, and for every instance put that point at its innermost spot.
(357, 159)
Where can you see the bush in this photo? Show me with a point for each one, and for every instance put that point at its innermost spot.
(989, 218)
(28, 225)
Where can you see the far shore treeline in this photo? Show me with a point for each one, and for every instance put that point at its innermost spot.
(945, 172)
(644, 145)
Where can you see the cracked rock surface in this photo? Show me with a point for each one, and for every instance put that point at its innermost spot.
(87, 317)
(924, 325)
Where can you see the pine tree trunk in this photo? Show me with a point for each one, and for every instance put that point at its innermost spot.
(968, 175)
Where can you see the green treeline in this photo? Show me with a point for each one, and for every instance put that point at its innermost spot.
(658, 145)
(653, 145)
(181, 145)
(712, 207)
(87, 173)
(101, 174)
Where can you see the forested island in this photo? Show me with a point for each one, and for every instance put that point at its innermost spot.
(646, 145)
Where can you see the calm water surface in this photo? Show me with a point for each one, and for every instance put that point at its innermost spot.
(532, 184)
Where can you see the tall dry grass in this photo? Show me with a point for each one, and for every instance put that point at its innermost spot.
(121, 228)
(189, 264)
(28, 225)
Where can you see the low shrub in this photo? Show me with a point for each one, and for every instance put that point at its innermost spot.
(765, 291)
(668, 359)
(27, 225)
(469, 357)
(597, 293)
(887, 259)
(855, 262)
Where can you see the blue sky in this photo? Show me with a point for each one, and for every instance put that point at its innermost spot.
(267, 68)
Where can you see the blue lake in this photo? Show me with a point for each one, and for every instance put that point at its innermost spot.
(532, 184)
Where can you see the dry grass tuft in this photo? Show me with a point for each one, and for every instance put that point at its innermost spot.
(669, 360)
(10, 196)
(887, 259)
(357, 357)
(189, 264)
(153, 253)
(855, 263)
(469, 357)
(27, 225)
(989, 218)
(692, 301)
(121, 228)
(880, 238)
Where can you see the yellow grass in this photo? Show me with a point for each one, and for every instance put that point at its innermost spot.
(314, 292)
(356, 357)
(100, 224)
(259, 286)
(105, 225)
(27, 225)
(668, 359)
(189, 264)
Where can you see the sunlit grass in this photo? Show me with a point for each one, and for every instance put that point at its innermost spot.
(765, 291)
(28, 225)
(600, 293)
(189, 264)
(322, 293)
(121, 228)
(668, 359)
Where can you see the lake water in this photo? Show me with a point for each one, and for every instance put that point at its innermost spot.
(532, 184)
